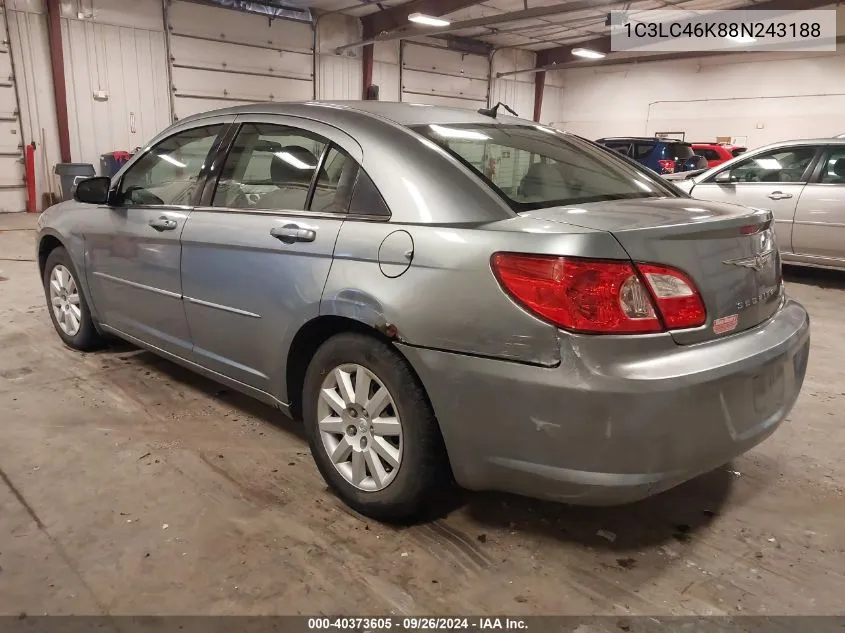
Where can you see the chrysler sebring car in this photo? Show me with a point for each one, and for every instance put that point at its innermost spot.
(440, 295)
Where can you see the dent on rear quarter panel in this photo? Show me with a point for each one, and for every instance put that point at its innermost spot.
(449, 298)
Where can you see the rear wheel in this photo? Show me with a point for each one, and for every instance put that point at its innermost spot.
(67, 303)
(371, 429)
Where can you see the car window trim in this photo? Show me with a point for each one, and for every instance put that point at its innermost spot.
(321, 163)
(202, 176)
(816, 177)
(314, 215)
(804, 176)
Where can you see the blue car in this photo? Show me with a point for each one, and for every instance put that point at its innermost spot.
(663, 155)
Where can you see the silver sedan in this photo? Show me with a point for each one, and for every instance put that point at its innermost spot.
(801, 182)
(439, 294)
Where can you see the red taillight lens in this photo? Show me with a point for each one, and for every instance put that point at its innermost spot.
(667, 166)
(600, 296)
(678, 301)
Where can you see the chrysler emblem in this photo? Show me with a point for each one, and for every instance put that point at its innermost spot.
(756, 262)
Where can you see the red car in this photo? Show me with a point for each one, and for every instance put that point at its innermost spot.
(717, 153)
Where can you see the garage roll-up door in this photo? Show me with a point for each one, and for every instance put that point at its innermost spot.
(12, 185)
(221, 57)
(439, 76)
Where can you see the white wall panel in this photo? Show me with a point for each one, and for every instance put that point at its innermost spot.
(116, 77)
(221, 57)
(339, 76)
(12, 173)
(551, 110)
(763, 97)
(516, 91)
(435, 75)
(27, 23)
(386, 69)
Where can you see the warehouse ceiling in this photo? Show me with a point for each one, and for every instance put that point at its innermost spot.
(516, 23)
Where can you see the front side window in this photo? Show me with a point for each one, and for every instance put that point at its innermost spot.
(269, 167)
(833, 167)
(777, 165)
(532, 167)
(168, 173)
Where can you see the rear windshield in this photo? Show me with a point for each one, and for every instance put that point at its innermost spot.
(680, 150)
(532, 166)
(737, 151)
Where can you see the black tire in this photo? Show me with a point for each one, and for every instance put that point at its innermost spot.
(86, 338)
(423, 467)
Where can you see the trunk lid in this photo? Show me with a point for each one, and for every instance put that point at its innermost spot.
(729, 252)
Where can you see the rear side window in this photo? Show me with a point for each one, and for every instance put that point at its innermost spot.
(642, 150)
(622, 148)
(680, 150)
(366, 199)
(269, 167)
(709, 154)
(737, 151)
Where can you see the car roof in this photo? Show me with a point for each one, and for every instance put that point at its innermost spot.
(405, 114)
(643, 139)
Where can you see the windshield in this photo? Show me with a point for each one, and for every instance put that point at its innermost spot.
(533, 166)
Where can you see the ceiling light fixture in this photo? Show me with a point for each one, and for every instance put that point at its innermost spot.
(427, 20)
(586, 52)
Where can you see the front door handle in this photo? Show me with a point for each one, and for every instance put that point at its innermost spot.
(779, 195)
(163, 224)
(290, 233)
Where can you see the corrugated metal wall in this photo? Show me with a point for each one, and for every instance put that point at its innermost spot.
(552, 100)
(338, 76)
(516, 91)
(221, 57)
(436, 75)
(12, 171)
(115, 64)
(386, 70)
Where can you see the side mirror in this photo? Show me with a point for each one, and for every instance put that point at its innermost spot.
(723, 177)
(93, 190)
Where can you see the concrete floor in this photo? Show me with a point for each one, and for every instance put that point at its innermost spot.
(132, 486)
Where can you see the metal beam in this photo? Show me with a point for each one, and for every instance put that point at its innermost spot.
(539, 86)
(367, 65)
(551, 58)
(406, 30)
(57, 65)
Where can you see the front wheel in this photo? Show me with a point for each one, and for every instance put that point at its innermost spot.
(67, 303)
(371, 429)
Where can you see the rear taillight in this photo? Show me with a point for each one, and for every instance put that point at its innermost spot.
(600, 296)
(667, 166)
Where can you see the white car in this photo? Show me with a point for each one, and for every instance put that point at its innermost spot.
(802, 182)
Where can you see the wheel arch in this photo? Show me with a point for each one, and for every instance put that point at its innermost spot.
(46, 245)
(308, 339)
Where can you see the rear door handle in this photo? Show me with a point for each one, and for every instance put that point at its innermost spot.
(779, 195)
(290, 233)
(163, 224)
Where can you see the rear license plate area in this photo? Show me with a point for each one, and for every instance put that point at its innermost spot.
(767, 390)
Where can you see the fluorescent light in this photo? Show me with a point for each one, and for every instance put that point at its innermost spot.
(171, 160)
(293, 161)
(742, 39)
(586, 52)
(421, 18)
(450, 132)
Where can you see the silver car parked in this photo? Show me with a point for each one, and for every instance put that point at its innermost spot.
(440, 292)
(801, 182)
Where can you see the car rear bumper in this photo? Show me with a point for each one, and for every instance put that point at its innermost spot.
(621, 418)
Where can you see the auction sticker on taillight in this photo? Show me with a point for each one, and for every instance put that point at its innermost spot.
(725, 324)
